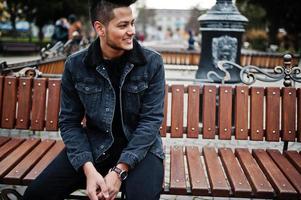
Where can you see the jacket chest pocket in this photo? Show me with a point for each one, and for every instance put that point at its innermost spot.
(133, 92)
(89, 94)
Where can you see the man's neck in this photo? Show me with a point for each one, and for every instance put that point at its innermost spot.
(109, 53)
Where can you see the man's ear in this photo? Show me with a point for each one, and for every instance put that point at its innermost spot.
(99, 28)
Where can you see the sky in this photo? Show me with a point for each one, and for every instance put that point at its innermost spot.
(179, 4)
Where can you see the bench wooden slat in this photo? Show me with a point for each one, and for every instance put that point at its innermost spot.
(256, 115)
(193, 111)
(198, 182)
(177, 110)
(38, 102)
(280, 183)
(177, 171)
(289, 114)
(241, 112)
(9, 103)
(19, 171)
(294, 158)
(44, 162)
(272, 114)
(163, 128)
(287, 169)
(259, 183)
(237, 179)
(217, 179)
(24, 103)
(53, 105)
(1, 93)
(209, 111)
(298, 113)
(3, 140)
(8, 147)
(225, 112)
(17, 155)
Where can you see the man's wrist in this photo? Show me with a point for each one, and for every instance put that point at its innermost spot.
(123, 166)
(88, 167)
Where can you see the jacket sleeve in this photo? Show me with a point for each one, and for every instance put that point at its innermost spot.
(150, 117)
(71, 115)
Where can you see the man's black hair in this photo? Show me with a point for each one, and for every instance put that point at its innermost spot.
(102, 10)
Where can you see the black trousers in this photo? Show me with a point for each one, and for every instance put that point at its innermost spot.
(59, 179)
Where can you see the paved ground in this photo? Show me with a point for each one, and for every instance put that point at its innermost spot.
(173, 73)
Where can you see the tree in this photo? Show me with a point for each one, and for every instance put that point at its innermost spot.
(145, 18)
(278, 14)
(193, 23)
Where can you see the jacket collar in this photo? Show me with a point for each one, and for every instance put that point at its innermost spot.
(94, 57)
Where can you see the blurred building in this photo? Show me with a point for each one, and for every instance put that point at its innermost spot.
(162, 24)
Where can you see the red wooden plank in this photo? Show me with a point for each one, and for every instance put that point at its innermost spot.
(9, 102)
(256, 114)
(238, 180)
(1, 94)
(289, 114)
(177, 110)
(294, 158)
(3, 140)
(209, 111)
(217, 179)
(299, 113)
(15, 175)
(38, 104)
(287, 169)
(8, 147)
(225, 112)
(53, 105)
(259, 183)
(24, 103)
(241, 112)
(177, 171)
(44, 162)
(193, 111)
(196, 172)
(16, 156)
(280, 183)
(163, 128)
(272, 114)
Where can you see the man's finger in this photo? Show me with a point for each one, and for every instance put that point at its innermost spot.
(92, 194)
(104, 188)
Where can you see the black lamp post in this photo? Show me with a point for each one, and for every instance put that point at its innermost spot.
(222, 28)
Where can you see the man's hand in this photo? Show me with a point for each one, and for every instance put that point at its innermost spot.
(113, 183)
(96, 186)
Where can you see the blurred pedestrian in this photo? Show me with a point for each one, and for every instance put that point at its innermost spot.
(60, 31)
(75, 29)
(191, 41)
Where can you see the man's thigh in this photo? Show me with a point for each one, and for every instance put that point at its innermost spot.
(146, 179)
(57, 181)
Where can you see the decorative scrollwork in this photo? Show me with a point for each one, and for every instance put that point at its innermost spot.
(249, 74)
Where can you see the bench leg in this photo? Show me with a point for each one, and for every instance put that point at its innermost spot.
(5, 192)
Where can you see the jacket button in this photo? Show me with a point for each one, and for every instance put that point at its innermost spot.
(87, 89)
(107, 109)
(107, 131)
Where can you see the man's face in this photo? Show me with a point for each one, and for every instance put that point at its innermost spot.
(120, 31)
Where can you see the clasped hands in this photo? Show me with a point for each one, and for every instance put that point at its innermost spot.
(99, 187)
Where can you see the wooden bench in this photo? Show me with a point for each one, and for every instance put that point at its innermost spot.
(195, 113)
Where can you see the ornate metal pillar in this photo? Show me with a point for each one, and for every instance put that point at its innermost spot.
(222, 28)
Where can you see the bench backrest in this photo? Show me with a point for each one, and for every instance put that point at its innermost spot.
(253, 113)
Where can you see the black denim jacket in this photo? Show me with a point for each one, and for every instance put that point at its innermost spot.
(86, 90)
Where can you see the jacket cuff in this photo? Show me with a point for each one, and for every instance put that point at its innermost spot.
(78, 161)
(129, 159)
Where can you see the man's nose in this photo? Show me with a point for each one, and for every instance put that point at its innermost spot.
(131, 31)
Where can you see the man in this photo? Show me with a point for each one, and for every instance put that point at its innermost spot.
(119, 87)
